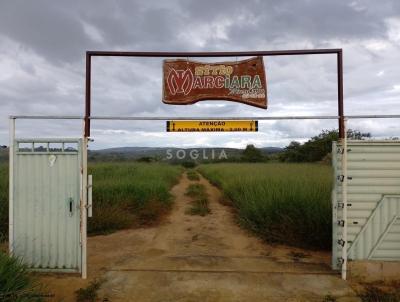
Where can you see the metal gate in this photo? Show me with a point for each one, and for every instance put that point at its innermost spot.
(373, 201)
(45, 212)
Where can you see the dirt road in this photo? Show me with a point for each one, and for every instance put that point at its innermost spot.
(193, 258)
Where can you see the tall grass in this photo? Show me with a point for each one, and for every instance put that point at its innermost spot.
(16, 283)
(124, 194)
(130, 194)
(3, 201)
(285, 203)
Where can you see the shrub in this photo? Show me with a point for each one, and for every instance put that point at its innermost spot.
(16, 283)
(189, 164)
(316, 148)
(252, 154)
(88, 294)
(375, 294)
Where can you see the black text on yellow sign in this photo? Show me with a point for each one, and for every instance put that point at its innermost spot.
(212, 126)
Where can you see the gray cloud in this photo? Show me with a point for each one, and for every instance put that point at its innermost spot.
(42, 46)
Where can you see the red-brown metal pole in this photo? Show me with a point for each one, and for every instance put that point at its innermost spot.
(87, 93)
(214, 54)
(339, 53)
(340, 93)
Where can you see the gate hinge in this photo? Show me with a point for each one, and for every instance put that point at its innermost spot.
(340, 150)
(341, 178)
(340, 261)
(341, 222)
(340, 205)
(341, 242)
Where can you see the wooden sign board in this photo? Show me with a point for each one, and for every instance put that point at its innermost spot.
(187, 82)
(212, 126)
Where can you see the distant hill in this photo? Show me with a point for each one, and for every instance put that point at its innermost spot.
(139, 150)
(162, 153)
(171, 154)
(128, 150)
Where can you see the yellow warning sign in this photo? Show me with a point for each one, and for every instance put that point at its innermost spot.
(212, 126)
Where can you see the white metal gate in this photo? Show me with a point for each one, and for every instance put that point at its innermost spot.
(373, 201)
(45, 215)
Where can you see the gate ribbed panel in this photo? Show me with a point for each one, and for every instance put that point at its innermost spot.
(373, 231)
(46, 236)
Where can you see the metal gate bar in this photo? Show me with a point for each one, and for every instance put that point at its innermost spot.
(189, 118)
(83, 183)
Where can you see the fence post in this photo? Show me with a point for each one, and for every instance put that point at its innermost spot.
(84, 204)
(344, 200)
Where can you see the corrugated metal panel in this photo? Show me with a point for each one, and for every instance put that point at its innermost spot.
(46, 232)
(373, 200)
(389, 248)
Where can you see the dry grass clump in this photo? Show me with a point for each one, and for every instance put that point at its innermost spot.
(199, 204)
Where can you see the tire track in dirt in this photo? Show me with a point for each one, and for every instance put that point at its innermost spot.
(194, 258)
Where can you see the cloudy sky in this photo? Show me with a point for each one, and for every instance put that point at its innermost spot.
(43, 44)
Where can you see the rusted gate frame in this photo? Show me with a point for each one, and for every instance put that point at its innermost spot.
(337, 51)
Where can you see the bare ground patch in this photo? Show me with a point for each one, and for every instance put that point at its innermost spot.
(195, 258)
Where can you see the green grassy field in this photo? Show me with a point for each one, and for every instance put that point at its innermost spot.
(3, 201)
(130, 194)
(124, 195)
(285, 203)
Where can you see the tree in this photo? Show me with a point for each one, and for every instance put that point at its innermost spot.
(145, 159)
(316, 148)
(252, 154)
(292, 153)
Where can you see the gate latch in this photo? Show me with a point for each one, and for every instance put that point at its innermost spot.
(71, 206)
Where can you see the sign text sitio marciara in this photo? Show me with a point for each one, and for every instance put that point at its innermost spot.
(186, 82)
